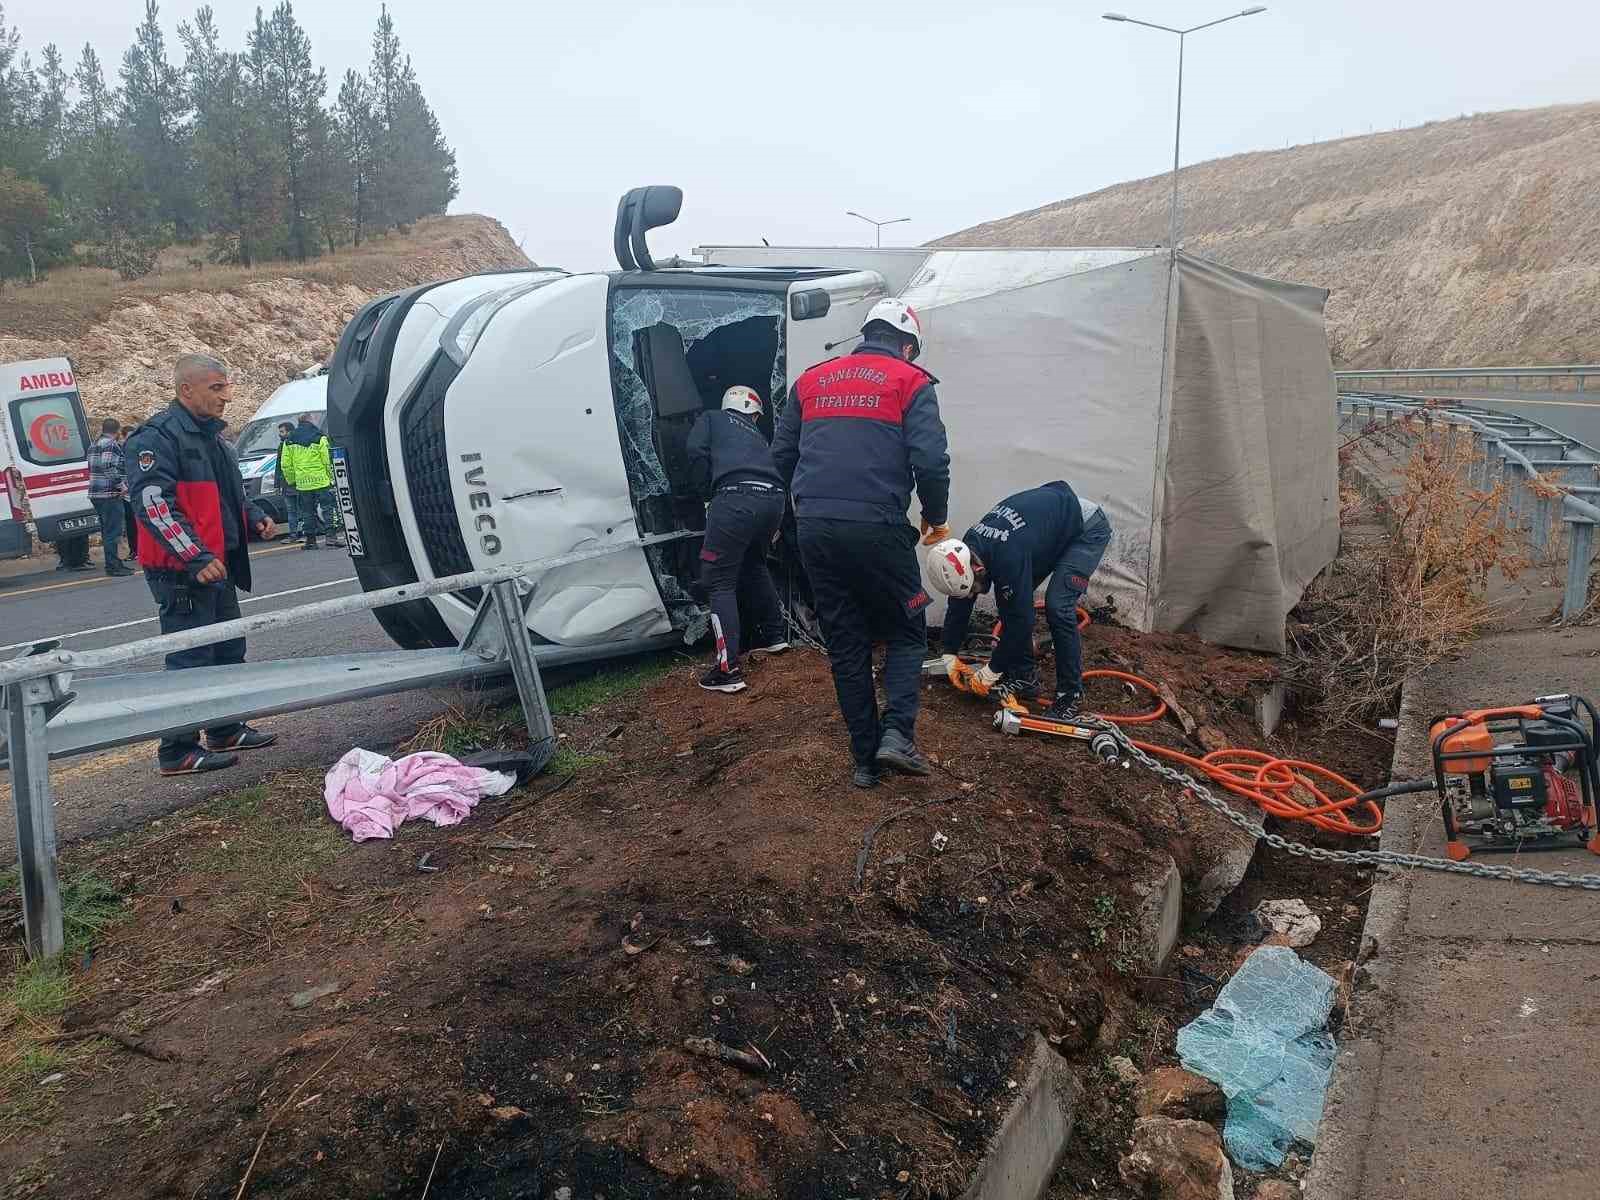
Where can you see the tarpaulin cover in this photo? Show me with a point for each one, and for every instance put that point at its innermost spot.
(1195, 402)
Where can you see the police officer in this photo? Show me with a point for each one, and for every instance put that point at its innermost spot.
(185, 485)
(857, 433)
(730, 465)
(1044, 532)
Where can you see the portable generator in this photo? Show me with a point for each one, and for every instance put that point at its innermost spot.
(1523, 777)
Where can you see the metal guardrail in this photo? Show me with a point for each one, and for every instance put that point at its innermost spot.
(1497, 460)
(49, 714)
(1455, 376)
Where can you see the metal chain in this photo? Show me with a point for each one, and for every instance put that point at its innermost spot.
(1376, 858)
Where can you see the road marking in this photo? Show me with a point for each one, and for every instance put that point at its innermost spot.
(310, 587)
(51, 587)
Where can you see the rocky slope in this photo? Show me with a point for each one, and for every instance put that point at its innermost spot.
(267, 324)
(1466, 242)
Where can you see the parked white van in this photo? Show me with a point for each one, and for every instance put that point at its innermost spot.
(257, 443)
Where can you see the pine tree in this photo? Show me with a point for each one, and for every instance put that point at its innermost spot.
(19, 143)
(53, 110)
(233, 158)
(291, 89)
(106, 188)
(155, 107)
(355, 128)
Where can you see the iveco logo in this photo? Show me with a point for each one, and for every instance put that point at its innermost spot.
(478, 498)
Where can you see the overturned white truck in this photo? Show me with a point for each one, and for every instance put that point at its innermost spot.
(513, 416)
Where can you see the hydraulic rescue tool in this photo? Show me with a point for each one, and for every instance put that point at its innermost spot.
(1523, 777)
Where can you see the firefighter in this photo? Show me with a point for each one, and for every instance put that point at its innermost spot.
(1045, 532)
(857, 434)
(189, 498)
(730, 465)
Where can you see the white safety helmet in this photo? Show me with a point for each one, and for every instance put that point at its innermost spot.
(900, 317)
(741, 399)
(950, 569)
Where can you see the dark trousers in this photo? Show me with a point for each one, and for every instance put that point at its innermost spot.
(1068, 582)
(111, 512)
(868, 587)
(317, 514)
(291, 510)
(131, 528)
(190, 606)
(733, 567)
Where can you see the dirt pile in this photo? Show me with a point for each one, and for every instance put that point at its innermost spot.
(530, 1010)
(267, 324)
(1459, 243)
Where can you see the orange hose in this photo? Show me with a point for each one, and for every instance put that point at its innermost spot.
(1278, 786)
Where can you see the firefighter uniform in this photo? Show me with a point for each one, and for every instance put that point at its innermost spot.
(857, 434)
(184, 484)
(730, 465)
(1044, 532)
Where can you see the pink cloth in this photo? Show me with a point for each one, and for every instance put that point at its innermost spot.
(371, 795)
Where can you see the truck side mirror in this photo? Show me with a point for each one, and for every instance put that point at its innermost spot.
(638, 212)
(810, 304)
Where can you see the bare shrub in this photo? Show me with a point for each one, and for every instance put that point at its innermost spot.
(1400, 601)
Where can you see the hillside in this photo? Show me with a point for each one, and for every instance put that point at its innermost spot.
(1467, 242)
(267, 323)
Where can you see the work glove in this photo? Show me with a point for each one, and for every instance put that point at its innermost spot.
(932, 535)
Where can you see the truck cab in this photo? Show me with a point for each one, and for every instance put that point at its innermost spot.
(529, 413)
(44, 456)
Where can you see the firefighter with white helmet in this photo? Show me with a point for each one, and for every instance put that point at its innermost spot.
(730, 465)
(1047, 532)
(857, 435)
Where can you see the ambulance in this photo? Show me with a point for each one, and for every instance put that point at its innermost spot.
(44, 457)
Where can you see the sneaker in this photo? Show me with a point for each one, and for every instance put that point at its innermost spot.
(777, 647)
(1065, 707)
(718, 680)
(310, 544)
(198, 761)
(336, 544)
(118, 570)
(865, 775)
(1019, 690)
(899, 753)
(245, 739)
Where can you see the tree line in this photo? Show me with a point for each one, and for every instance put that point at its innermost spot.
(245, 149)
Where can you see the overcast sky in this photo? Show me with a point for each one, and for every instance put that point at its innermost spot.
(777, 117)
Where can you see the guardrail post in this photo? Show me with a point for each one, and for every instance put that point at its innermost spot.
(1580, 545)
(35, 816)
(524, 667)
(1540, 534)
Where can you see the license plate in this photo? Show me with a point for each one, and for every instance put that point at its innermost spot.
(347, 504)
(68, 524)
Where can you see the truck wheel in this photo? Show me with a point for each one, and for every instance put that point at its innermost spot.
(415, 626)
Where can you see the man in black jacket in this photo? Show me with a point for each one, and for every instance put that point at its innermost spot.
(857, 433)
(185, 484)
(1047, 532)
(730, 465)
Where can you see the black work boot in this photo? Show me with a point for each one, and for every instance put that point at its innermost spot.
(897, 752)
(866, 775)
(1066, 707)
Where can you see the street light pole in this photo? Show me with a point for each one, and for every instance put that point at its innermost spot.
(1177, 132)
(876, 225)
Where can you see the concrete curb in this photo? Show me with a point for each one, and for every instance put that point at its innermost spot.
(1338, 1164)
(1028, 1147)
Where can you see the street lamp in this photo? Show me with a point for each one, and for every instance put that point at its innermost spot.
(877, 225)
(1172, 232)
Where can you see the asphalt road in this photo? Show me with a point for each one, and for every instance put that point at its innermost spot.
(1575, 414)
(105, 792)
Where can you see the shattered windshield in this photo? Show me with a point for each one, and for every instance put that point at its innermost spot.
(697, 314)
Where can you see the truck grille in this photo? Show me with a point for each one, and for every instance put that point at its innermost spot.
(428, 475)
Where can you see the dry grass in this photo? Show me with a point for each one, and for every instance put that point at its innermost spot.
(1468, 242)
(71, 300)
(1398, 603)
